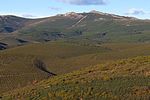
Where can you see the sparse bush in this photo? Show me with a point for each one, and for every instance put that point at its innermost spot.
(39, 64)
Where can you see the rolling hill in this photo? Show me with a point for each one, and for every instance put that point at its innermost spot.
(123, 79)
(26, 64)
(22, 63)
(77, 55)
(10, 23)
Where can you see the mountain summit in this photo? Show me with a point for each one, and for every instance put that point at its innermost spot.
(93, 26)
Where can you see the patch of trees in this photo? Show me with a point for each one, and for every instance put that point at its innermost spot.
(42, 66)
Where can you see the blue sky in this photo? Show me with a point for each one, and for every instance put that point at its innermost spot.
(43, 8)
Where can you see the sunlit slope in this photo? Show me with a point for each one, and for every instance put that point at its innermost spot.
(17, 65)
(65, 57)
(59, 57)
(17, 71)
(21, 66)
(123, 79)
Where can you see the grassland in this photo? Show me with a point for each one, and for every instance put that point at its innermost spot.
(18, 68)
(123, 79)
(95, 28)
(59, 58)
(94, 45)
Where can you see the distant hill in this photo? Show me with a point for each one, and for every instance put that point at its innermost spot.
(3, 46)
(120, 80)
(92, 27)
(11, 23)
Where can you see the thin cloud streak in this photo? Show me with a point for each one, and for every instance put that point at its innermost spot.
(83, 2)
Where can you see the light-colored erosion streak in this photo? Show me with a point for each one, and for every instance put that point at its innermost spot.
(78, 22)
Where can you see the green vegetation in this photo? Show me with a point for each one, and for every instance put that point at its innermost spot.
(30, 63)
(42, 60)
(123, 79)
(94, 28)
(17, 71)
(91, 28)
(58, 58)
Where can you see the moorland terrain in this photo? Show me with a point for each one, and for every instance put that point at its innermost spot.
(79, 56)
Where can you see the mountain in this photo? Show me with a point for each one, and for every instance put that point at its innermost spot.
(11, 23)
(83, 28)
(39, 58)
(92, 26)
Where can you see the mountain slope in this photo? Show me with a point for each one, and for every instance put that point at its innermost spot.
(18, 71)
(124, 79)
(92, 26)
(26, 64)
(82, 28)
(77, 40)
(22, 63)
(10, 23)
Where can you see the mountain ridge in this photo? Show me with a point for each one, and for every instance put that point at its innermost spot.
(94, 26)
(92, 11)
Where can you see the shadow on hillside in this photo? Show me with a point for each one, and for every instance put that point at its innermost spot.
(42, 66)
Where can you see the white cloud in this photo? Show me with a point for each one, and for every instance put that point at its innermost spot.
(134, 11)
(28, 16)
(55, 8)
(84, 2)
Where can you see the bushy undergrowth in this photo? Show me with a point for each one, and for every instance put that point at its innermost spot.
(17, 65)
(123, 79)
